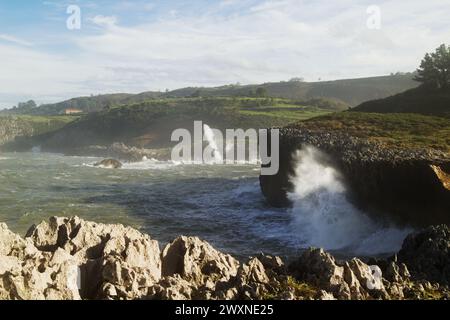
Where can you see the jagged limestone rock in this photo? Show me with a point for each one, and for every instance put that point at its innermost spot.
(29, 274)
(197, 261)
(108, 254)
(69, 258)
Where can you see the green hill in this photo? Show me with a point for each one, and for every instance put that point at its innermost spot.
(150, 124)
(337, 95)
(351, 92)
(420, 100)
(87, 104)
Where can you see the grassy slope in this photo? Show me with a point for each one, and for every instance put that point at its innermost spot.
(351, 91)
(342, 93)
(157, 118)
(396, 130)
(150, 124)
(91, 104)
(233, 111)
(420, 100)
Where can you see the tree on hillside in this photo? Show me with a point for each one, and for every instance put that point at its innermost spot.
(261, 92)
(27, 105)
(434, 70)
(297, 79)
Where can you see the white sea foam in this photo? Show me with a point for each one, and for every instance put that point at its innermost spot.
(323, 217)
(149, 164)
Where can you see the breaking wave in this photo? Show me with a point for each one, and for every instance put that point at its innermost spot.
(324, 217)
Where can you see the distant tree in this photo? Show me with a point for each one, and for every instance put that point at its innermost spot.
(434, 70)
(297, 79)
(261, 92)
(27, 105)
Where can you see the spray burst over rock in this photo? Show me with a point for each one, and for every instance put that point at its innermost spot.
(323, 215)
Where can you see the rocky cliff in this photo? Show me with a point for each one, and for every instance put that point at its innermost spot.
(409, 186)
(21, 133)
(72, 259)
(11, 128)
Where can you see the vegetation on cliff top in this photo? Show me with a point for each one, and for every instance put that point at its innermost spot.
(431, 98)
(397, 130)
(421, 100)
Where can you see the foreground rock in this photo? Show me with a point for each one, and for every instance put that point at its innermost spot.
(27, 273)
(115, 262)
(69, 258)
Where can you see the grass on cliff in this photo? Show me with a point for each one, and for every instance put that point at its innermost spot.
(399, 130)
(220, 112)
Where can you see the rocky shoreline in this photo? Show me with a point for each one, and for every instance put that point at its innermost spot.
(69, 258)
(121, 152)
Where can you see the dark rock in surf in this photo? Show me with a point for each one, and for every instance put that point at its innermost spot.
(109, 164)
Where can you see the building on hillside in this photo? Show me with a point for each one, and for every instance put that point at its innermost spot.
(72, 111)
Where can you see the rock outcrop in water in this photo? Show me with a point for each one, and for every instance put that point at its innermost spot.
(109, 164)
(405, 186)
(75, 259)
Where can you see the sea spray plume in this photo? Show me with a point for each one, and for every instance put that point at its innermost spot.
(324, 216)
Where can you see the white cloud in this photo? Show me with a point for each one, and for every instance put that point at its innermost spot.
(271, 41)
(15, 40)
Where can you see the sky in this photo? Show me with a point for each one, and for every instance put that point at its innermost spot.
(135, 46)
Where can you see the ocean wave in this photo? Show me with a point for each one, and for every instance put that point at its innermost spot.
(323, 217)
